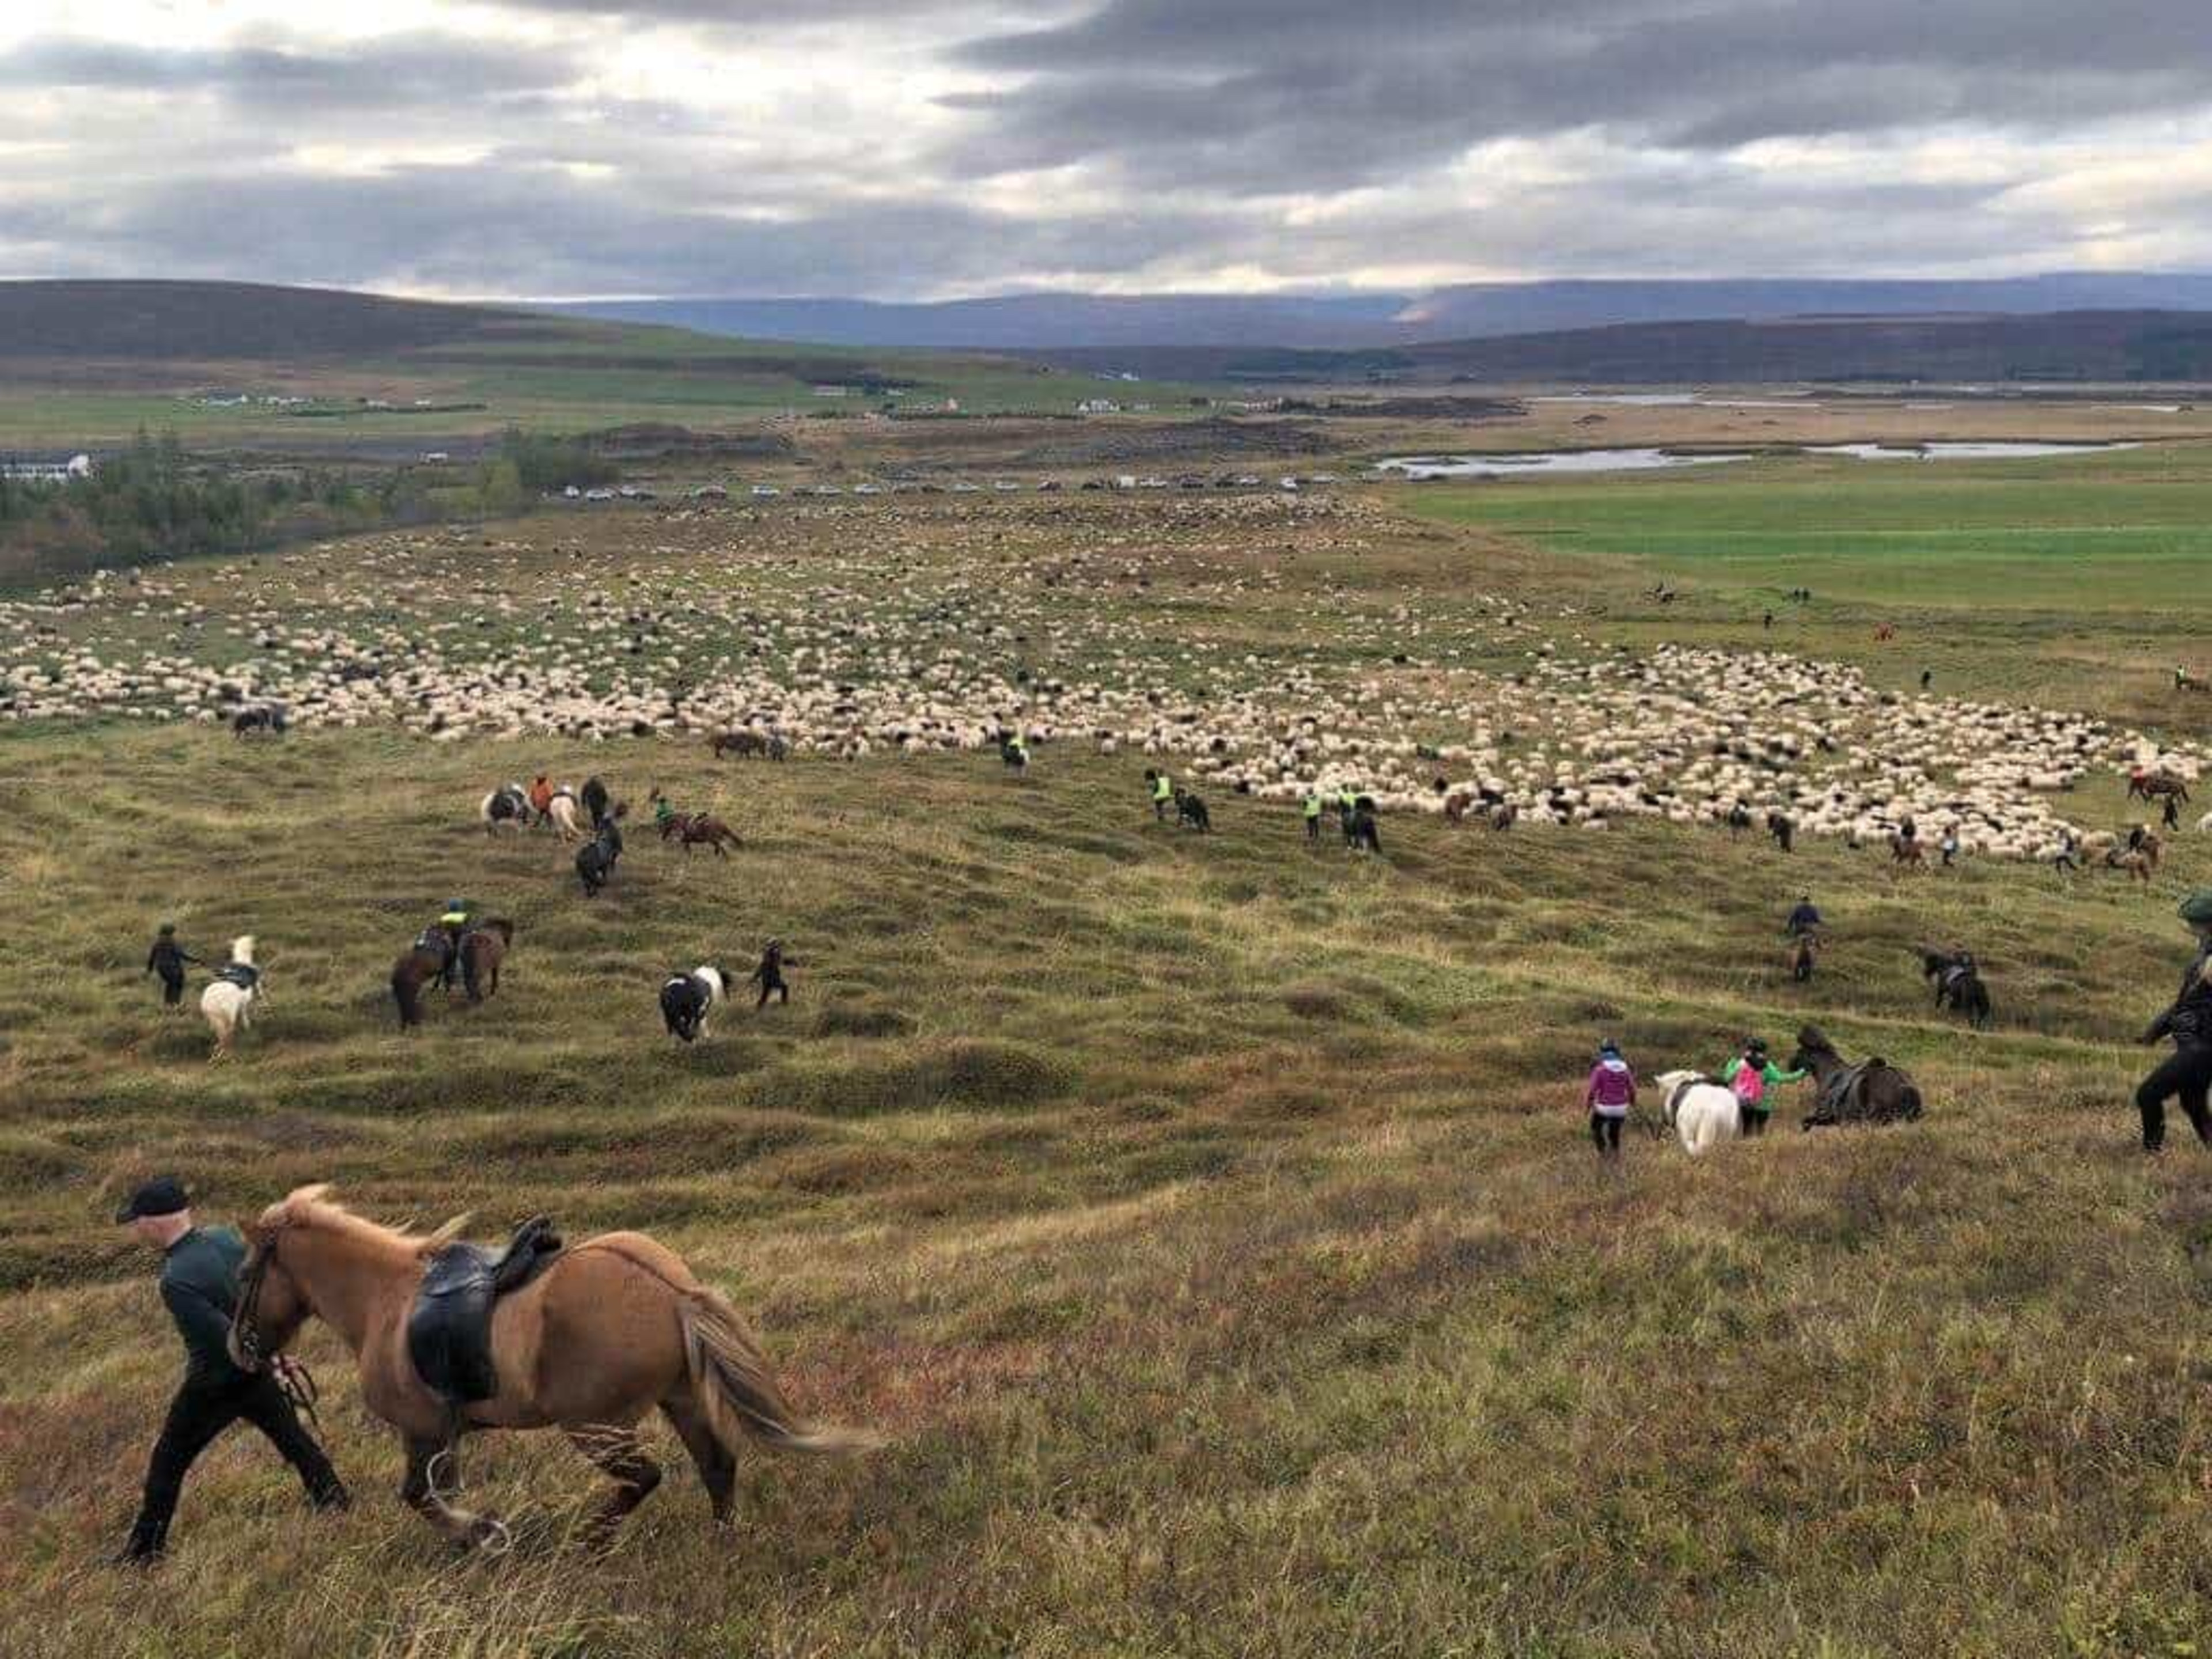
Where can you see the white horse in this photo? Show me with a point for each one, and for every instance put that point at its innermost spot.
(228, 1005)
(1702, 1113)
(562, 810)
(509, 804)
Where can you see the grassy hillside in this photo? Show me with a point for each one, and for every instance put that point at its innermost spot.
(1208, 1221)
(92, 364)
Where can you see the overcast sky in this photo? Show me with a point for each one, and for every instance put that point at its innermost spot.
(922, 148)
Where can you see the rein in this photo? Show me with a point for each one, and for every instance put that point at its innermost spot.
(294, 1379)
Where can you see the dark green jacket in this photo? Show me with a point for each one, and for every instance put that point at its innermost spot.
(199, 1286)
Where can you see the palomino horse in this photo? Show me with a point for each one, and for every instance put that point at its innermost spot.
(615, 1327)
(228, 1002)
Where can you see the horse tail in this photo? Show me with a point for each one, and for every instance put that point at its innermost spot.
(738, 1394)
(1908, 1102)
(404, 992)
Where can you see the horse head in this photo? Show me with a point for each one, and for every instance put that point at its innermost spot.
(1813, 1049)
(271, 1305)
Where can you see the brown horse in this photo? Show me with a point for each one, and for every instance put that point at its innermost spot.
(483, 950)
(1907, 850)
(700, 829)
(616, 1326)
(1872, 1091)
(2150, 786)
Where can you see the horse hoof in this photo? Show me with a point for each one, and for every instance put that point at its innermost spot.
(491, 1537)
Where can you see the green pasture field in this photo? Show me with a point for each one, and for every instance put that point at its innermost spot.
(605, 375)
(2069, 579)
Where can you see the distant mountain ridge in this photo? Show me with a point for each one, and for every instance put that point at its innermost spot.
(1092, 322)
(2174, 346)
(170, 321)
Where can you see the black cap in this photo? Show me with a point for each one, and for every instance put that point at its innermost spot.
(163, 1195)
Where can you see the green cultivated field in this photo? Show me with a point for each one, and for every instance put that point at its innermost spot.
(1208, 1221)
(2069, 579)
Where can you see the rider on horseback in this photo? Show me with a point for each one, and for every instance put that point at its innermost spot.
(1803, 919)
(444, 937)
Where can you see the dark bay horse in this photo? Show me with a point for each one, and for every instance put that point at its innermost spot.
(1957, 984)
(483, 948)
(616, 1326)
(1872, 1091)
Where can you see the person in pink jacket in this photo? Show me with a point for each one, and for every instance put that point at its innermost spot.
(1612, 1091)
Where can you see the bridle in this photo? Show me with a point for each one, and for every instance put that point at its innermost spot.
(296, 1380)
(245, 1323)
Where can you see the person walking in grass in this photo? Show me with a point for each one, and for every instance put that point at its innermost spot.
(199, 1286)
(2187, 1072)
(1749, 1077)
(1609, 1096)
(769, 975)
(1312, 807)
(169, 959)
(1164, 792)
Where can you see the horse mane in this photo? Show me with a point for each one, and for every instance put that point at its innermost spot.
(313, 1207)
(1811, 1038)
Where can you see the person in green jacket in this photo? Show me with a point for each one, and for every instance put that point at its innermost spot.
(1162, 792)
(199, 1287)
(1748, 1077)
(1313, 808)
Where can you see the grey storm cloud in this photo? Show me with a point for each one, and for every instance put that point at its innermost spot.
(386, 72)
(811, 158)
(1309, 91)
(511, 227)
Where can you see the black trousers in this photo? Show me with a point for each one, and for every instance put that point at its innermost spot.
(2187, 1072)
(776, 989)
(172, 989)
(1750, 1122)
(201, 1411)
(1605, 1133)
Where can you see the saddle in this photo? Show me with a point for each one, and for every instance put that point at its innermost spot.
(1838, 1096)
(243, 974)
(449, 1327)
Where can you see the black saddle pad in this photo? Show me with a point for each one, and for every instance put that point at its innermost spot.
(449, 1328)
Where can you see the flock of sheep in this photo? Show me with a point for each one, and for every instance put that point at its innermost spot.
(1233, 636)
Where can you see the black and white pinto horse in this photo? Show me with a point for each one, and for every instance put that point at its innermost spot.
(685, 999)
(1957, 983)
(596, 858)
(508, 804)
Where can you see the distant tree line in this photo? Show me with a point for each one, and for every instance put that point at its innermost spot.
(152, 502)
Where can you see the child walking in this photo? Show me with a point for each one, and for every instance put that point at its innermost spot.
(1611, 1092)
